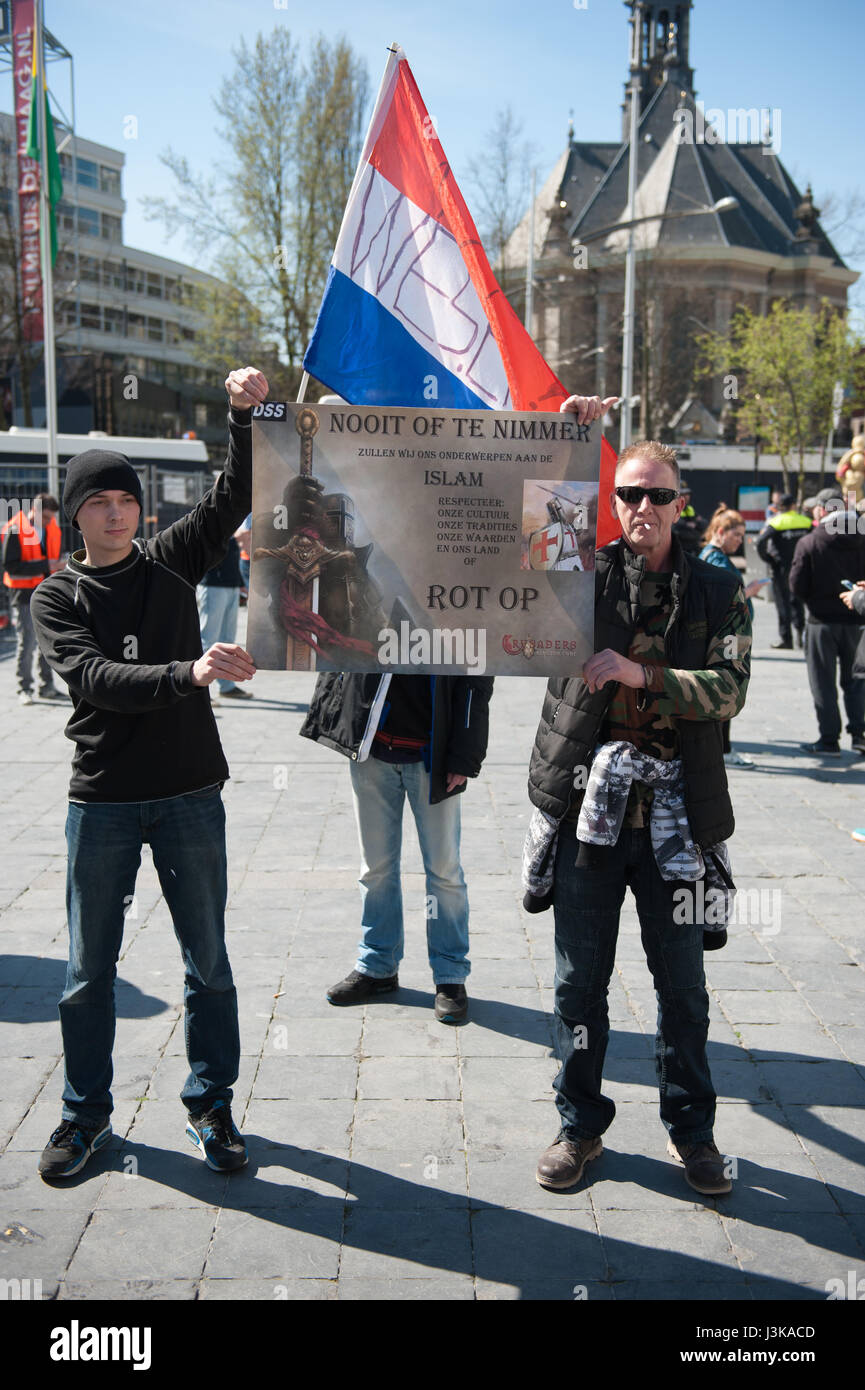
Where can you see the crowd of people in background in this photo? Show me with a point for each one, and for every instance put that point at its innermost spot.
(814, 551)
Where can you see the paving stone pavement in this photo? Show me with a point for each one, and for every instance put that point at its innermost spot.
(391, 1156)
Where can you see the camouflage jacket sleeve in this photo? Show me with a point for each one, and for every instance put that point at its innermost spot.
(718, 692)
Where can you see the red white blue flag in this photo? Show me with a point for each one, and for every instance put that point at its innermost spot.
(412, 314)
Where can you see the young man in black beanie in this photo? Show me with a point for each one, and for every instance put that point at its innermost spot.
(120, 625)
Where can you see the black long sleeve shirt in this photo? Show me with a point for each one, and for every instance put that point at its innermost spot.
(125, 637)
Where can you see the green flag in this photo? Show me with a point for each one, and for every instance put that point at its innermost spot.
(55, 180)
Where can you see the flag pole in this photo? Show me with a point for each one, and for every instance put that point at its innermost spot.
(49, 359)
(304, 381)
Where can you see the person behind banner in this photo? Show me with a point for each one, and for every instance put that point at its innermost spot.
(644, 720)
(120, 625)
(417, 738)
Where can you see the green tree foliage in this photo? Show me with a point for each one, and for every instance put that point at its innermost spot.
(783, 366)
(267, 222)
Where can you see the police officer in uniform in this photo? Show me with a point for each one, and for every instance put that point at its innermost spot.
(776, 545)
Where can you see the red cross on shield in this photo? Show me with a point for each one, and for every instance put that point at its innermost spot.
(545, 546)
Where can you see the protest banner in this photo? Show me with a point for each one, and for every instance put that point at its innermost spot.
(422, 541)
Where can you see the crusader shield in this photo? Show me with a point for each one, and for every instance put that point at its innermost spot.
(545, 546)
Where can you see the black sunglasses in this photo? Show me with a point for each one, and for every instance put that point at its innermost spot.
(658, 496)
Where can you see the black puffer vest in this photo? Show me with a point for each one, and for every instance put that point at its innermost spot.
(571, 716)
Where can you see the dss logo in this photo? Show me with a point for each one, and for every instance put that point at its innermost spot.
(271, 410)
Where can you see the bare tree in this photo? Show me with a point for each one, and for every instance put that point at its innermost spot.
(842, 217)
(499, 181)
(268, 222)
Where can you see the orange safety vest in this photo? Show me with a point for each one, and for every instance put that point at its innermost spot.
(31, 549)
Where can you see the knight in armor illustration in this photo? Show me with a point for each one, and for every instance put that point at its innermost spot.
(567, 542)
(338, 607)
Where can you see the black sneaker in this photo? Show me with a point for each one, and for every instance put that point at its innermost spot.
(820, 746)
(451, 1004)
(782, 646)
(217, 1136)
(857, 743)
(69, 1148)
(235, 693)
(52, 694)
(356, 988)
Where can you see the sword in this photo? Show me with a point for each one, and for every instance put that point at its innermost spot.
(304, 560)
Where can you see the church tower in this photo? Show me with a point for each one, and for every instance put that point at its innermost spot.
(659, 49)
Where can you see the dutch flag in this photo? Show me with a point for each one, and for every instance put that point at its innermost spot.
(412, 314)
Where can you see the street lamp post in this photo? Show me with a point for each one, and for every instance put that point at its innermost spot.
(721, 205)
(630, 269)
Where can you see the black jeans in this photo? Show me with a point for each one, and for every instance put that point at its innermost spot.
(827, 646)
(791, 611)
(587, 904)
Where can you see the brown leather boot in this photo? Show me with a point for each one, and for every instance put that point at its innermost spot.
(706, 1170)
(562, 1164)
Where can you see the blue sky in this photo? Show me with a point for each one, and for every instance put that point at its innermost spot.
(163, 62)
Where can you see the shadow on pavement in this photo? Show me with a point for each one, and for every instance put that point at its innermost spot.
(34, 985)
(541, 1256)
(850, 766)
(534, 1026)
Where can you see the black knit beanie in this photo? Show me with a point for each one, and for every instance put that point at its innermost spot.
(97, 470)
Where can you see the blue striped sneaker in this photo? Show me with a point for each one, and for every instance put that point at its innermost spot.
(217, 1136)
(69, 1148)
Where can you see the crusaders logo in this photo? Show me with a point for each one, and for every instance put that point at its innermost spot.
(514, 645)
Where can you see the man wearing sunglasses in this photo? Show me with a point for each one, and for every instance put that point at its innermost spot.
(672, 662)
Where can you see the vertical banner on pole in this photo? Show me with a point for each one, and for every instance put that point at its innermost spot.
(28, 171)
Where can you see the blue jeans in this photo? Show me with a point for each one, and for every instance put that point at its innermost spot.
(217, 614)
(587, 903)
(379, 791)
(187, 837)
